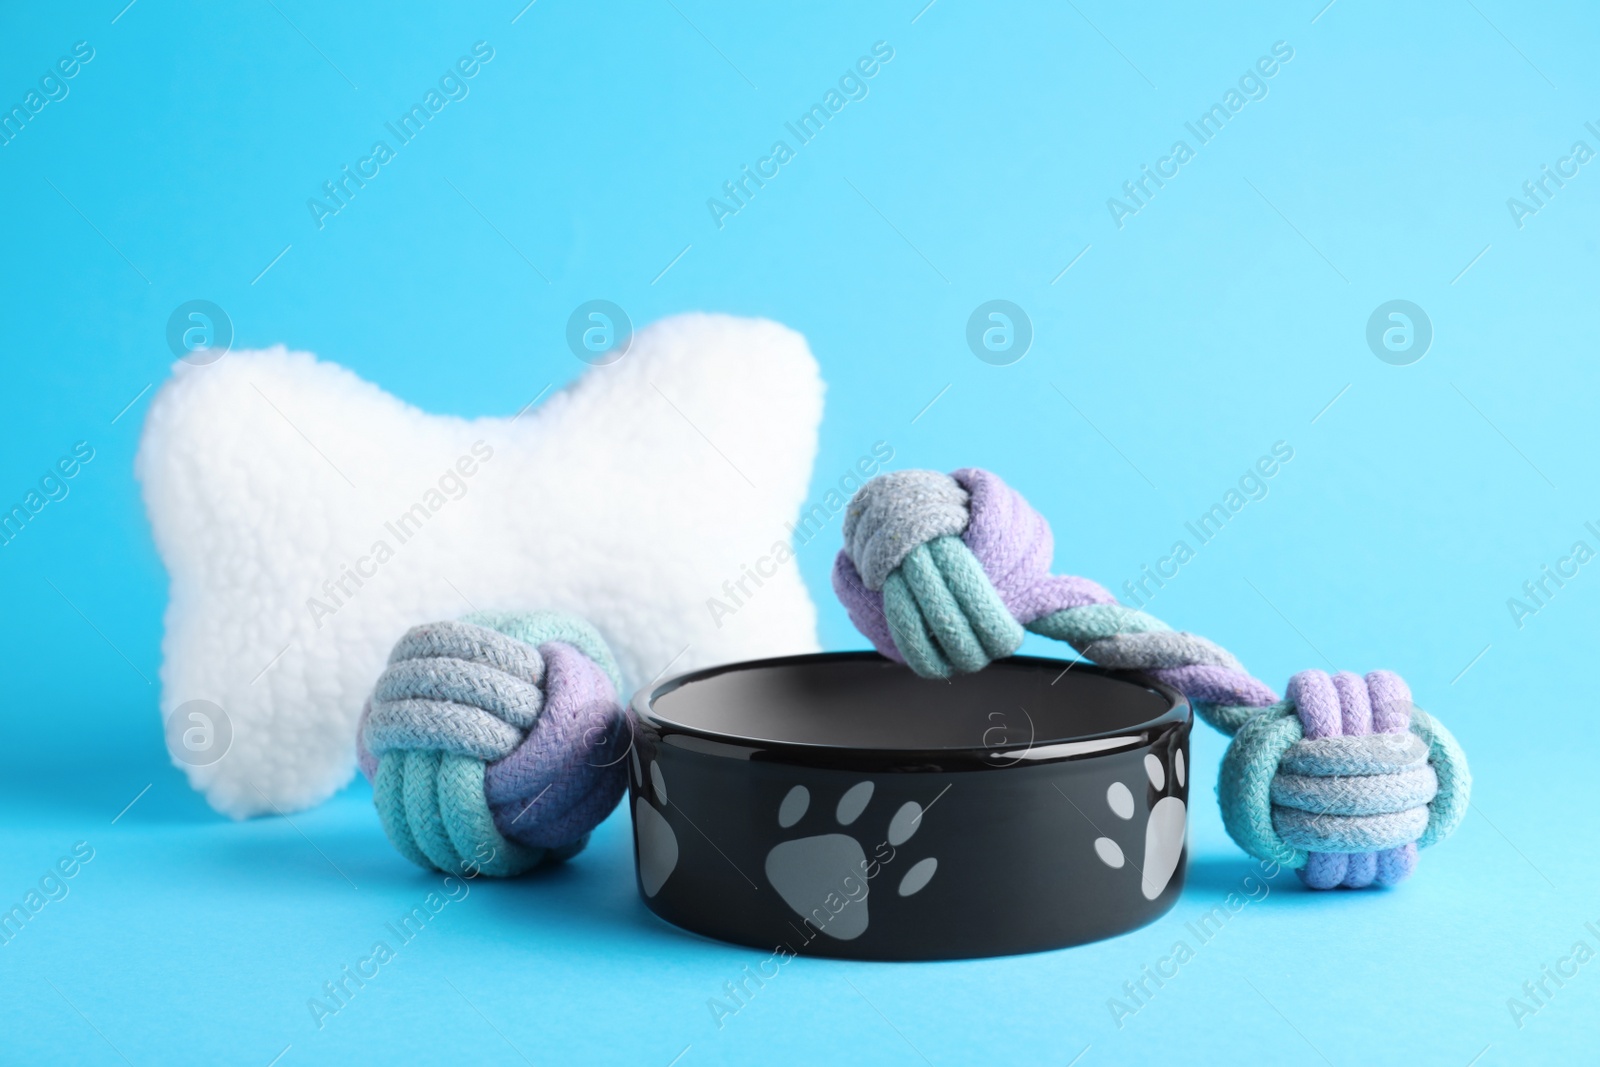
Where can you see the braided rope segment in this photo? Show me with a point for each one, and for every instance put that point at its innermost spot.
(495, 743)
(946, 573)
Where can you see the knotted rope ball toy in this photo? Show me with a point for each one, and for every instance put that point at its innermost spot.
(1342, 781)
(495, 743)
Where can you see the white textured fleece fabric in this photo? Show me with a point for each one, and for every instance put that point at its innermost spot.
(629, 498)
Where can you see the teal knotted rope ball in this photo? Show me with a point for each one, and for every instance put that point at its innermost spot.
(1342, 780)
(1345, 779)
(495, 743)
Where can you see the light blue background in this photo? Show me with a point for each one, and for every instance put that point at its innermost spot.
(1224, 317)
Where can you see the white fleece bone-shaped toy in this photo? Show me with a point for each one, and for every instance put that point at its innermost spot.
(307, 519)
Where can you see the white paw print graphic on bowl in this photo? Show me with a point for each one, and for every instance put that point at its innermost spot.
(657, 844)
(1163, 831)
(813, 873)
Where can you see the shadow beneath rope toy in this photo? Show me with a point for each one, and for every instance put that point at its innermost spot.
(591, 898)
(1250, 878)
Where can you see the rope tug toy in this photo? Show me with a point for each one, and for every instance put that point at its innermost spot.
(495, 743)
(1342, 781)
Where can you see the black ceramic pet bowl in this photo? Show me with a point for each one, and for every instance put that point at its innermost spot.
(839, 805)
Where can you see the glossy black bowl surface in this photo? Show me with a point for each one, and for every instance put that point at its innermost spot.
(838, 805)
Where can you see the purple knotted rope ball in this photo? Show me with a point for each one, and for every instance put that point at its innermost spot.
(495, 743)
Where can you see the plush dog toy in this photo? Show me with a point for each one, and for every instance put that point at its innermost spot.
(307, 520)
